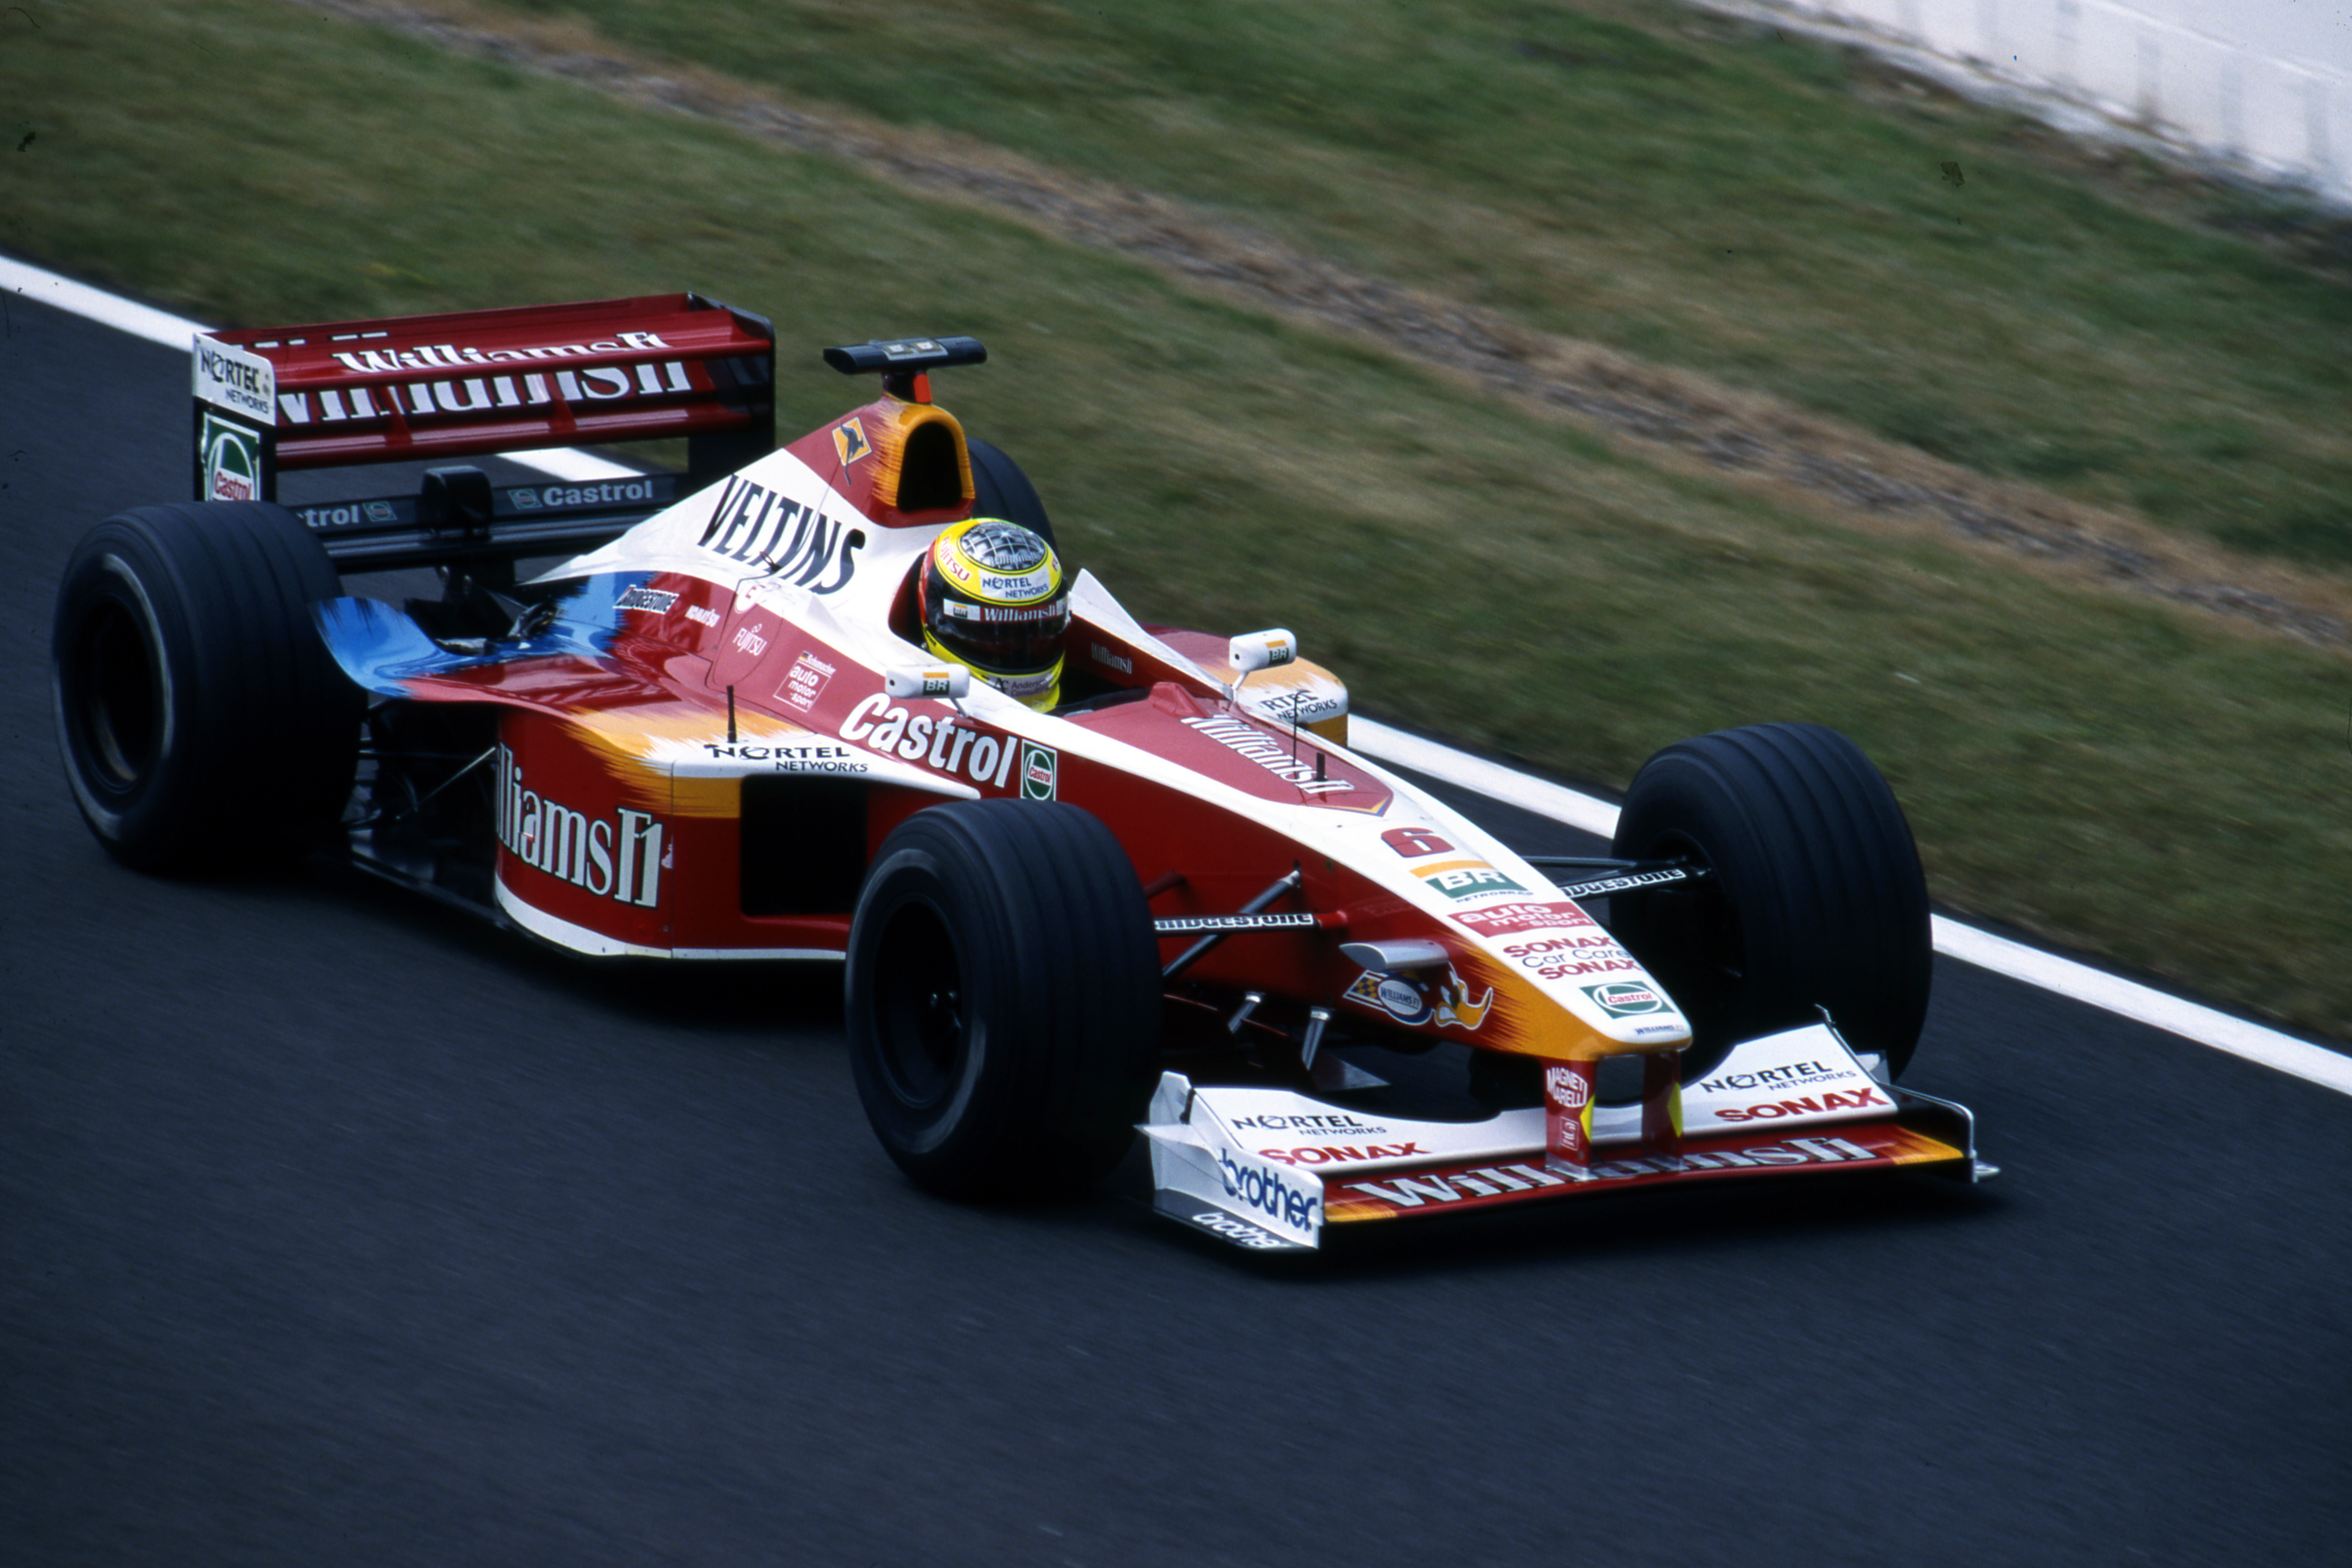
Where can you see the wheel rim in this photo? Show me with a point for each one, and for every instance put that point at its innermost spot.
(920, 1012)
(118, 706)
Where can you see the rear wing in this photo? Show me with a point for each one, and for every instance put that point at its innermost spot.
(466, 384)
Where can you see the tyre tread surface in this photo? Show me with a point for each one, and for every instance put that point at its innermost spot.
(264, 725)
(1812, 857)
(1061, 972)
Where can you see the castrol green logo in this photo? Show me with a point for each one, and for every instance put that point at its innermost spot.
(1624, 999)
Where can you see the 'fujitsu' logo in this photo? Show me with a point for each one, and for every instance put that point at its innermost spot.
(620, 860)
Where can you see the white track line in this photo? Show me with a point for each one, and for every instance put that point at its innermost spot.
(2048, 971)
(2132, 1000)
(23, 278)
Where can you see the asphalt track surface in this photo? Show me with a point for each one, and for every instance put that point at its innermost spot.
(337, 1228)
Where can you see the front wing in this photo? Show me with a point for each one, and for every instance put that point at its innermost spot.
(1268, 1168)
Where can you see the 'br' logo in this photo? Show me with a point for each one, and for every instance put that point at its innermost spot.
(1459, 879)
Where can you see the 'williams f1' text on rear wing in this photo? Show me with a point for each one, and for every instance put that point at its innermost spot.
(471, 382)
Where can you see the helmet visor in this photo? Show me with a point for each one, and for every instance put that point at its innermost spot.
(1008, 639)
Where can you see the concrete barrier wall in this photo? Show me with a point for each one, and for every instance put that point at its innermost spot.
(2268, 82)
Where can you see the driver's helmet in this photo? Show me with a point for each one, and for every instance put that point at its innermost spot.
(993, 598)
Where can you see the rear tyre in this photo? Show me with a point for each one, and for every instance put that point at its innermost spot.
(1004, 998)
(1816, 897)
(203, 722)
(1001, 489)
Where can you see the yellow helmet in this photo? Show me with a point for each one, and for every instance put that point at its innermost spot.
(994, 599)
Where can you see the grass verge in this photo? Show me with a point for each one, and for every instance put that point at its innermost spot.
(2102, 772)
(1695, 191)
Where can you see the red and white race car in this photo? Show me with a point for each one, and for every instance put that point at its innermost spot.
(1173, 898)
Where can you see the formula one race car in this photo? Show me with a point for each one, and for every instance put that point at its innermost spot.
(1085, 873)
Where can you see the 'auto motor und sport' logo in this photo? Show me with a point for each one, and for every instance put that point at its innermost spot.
(805, 681)
(1508, 920)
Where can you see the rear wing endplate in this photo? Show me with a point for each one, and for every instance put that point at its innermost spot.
(466, 384)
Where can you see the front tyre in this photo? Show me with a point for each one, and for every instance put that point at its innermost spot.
(202, 720)
(1816, 897)
(1004, 998)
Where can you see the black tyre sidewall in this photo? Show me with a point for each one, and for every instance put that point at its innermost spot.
(1816, 870)
(933, 1142)
(107, 581)
(259, 729)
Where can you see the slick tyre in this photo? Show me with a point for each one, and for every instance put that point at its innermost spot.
(1004, 998)
(1001, 489)
(1815, 896)
(202, 723)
